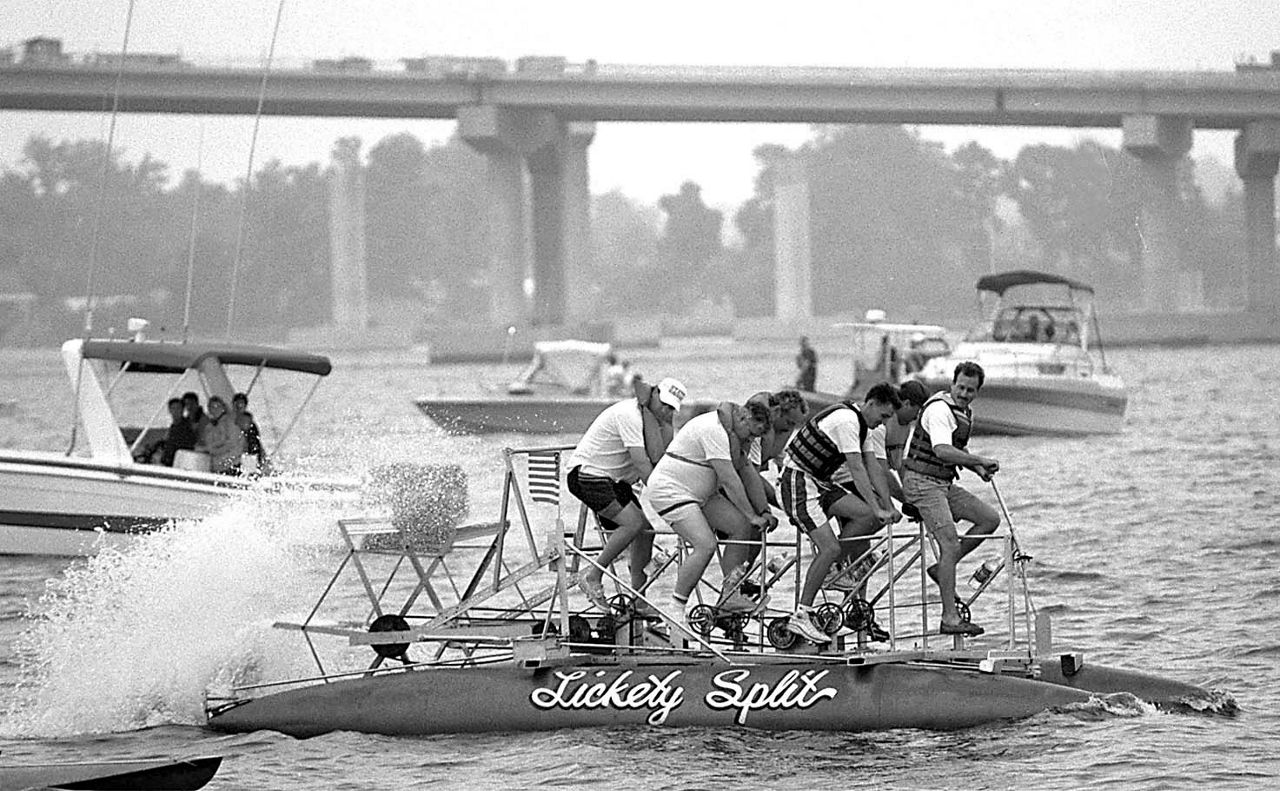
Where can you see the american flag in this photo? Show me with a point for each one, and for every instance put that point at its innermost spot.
(544, 477)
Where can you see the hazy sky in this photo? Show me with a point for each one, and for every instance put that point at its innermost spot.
(643, 160)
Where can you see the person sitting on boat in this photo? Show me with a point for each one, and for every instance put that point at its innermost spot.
(914, 359)
(938, 448)
(705, 459)
(618, 450)
(222, 438)
(254, 461)
(181, 435)
(890, 438)
(195, 414)
(824, 475)
(787, 410)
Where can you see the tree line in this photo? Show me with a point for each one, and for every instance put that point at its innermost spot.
(896, 222)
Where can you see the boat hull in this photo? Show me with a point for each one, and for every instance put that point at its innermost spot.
(67, 506)
(168, 774)
(516, 415)
(1045, 406)
(804, 695)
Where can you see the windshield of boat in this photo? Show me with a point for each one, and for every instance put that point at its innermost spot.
(1032, 324)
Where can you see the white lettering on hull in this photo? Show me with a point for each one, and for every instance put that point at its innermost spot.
(795, 690)
(660, 695)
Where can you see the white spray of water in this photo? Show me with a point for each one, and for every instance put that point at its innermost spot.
(136, 638)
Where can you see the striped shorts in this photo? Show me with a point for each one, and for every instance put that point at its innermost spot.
(802, 499)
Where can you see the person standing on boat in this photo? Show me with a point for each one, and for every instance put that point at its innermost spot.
(222, 438)
(938, 448)
(824, 475)
(707, 459)
(619, 450)
(806, 367)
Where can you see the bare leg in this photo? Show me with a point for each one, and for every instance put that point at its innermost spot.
(689, 523)
(828, 551)
(726, 519)
(631, 525)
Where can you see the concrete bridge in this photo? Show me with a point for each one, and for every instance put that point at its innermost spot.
(535, 127)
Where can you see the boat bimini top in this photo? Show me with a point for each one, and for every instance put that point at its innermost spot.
(1003, 281)
(94, 384)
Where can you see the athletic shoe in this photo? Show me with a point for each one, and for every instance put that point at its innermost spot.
(839, 579)
(876, 634)
(643, 609)
(802, 624)
(594, 591)
(736, 602)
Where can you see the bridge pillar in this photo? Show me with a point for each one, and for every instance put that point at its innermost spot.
(793, 289)
(346, 237)
(1159, 143)
(1257, 160)
(539, 219)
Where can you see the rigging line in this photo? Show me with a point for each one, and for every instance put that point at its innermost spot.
(191, 238)
(94, 239)
(248, 176)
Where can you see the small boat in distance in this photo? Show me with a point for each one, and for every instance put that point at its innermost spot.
(1046, 373)
(71, 504)
(560, 392)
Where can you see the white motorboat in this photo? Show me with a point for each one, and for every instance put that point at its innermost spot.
(100, 495)
(561, 391)
(1046, 373)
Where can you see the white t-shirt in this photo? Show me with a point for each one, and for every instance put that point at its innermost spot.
(684, 472)
(938, 422)
(842, 427)
(602, 451)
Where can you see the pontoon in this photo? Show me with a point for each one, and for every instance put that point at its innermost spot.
(481, 628)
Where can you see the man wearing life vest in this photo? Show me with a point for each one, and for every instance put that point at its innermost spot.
(938, 448)
(619, 450)
(890, 437)
(824, 475)
(707, 460)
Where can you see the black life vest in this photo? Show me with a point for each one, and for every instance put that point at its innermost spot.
(920, 456)
(814, 452)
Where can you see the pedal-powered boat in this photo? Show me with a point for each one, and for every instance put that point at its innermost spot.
(518, 648)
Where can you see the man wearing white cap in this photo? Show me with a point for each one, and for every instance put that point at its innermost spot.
(618, 451)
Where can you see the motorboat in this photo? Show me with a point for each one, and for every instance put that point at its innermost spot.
(1039, 346)
(882, 351)
(564, 387)
(101, 493)
(482, 627)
